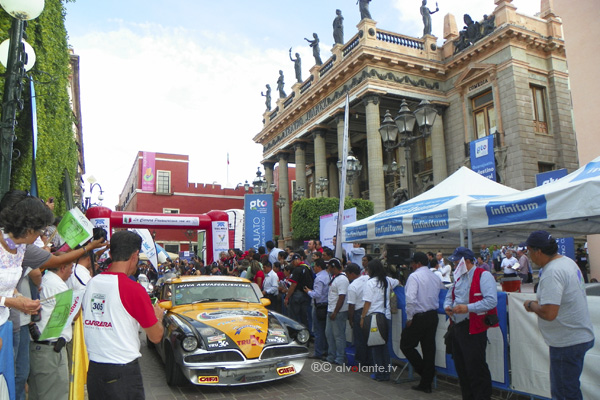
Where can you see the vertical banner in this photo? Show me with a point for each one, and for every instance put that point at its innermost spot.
(482, 157)
(344, 160)
(258, 219)
(220, 232)
(148, 171)
(566, 246)
(148, 246)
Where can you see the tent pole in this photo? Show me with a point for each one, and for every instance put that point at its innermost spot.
(469, 239)
(462, 237)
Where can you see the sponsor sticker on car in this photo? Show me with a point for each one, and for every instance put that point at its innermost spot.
(208, 379)
(216, 338)
(286, 370)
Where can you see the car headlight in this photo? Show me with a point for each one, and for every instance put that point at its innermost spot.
(303, 336)
(189, 343)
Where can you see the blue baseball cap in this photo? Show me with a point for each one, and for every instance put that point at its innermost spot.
(462, 252)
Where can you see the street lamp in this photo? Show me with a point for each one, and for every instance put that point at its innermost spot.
(190, 234)
(353, 169)
(321, 185)
(281, 203)
(403, 126)
(16, 65)
(88, 199)
(298, 193)
(259, 183)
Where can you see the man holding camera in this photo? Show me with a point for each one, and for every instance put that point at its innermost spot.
(471, 304)
(49, 373)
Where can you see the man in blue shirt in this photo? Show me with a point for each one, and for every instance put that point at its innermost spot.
(471, 304)
(319, 298)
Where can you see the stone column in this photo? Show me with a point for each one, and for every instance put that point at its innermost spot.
(374, 153)
(269, 166)
(320, 157)
(284, 191)
(334, 178)
(438, 150)
(300, 149)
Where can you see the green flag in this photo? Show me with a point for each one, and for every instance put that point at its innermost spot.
(60, 314)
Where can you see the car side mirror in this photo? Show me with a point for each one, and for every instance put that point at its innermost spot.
(265, 302)
(167, 305)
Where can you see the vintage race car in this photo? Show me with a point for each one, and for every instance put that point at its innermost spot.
(218, 332)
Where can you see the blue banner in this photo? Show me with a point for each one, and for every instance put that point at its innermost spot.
(544, 178)
(531, 209)
(434, 221)
(389, 227)
(356, 233)
(411, 208)
(482, 157)
(566, 246)
(258, 219)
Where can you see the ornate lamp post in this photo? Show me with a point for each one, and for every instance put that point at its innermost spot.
(280, 203)
(353, 169)
(321, 185)
(259, 183)
(88, 198)
(403, 126)
(190, 234)
(298, 193)
(16, 64)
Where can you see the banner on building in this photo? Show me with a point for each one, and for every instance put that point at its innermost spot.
(482, 157)
(258, 219)
(148, 171)
(566, 246)
(220, 233)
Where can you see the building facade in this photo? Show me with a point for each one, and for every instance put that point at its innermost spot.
(505, 75)
(172, 193)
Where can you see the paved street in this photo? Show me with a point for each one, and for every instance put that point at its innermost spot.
(306, 385)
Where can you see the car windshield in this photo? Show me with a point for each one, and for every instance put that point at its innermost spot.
(197, 292)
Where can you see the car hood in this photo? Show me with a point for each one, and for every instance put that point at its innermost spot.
(247, 325)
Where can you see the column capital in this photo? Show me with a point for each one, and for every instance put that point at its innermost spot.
(269, 164)
(371, 98)
(283, 156)
(299, 146)
(318, 132)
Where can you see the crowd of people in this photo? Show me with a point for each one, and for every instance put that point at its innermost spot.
(310, 285)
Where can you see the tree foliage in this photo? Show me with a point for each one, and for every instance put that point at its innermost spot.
(306, 214)
(56, 146)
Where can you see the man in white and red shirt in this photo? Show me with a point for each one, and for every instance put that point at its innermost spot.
(114, 307)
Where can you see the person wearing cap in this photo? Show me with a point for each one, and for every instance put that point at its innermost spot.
(356, 303)
(471, 299)
(422, 302)
(337, 313)
(563, 315)
(296, 298)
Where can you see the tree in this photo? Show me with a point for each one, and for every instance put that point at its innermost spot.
(56, 148)
(306, 214)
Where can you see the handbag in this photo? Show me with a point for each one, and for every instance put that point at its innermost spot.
(321, 311)
(376, 326)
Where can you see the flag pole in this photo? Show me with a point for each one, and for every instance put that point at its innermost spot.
(344, 160)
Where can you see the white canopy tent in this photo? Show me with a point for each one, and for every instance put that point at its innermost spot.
(566, 207)
(438, 216)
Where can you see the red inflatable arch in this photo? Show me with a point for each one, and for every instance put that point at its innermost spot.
(215, 223)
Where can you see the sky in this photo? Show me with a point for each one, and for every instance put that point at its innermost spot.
(185, 76)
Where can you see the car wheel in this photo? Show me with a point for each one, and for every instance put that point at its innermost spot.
(173, 371)
(149, 343)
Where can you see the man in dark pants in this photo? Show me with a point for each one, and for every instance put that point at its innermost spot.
(355, 307)
(297, 300)
(470, 303)
(422, 302)
(114, 308)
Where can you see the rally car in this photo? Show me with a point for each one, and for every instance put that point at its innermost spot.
(218, 332)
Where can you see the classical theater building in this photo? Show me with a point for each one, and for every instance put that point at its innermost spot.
(505, 75)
